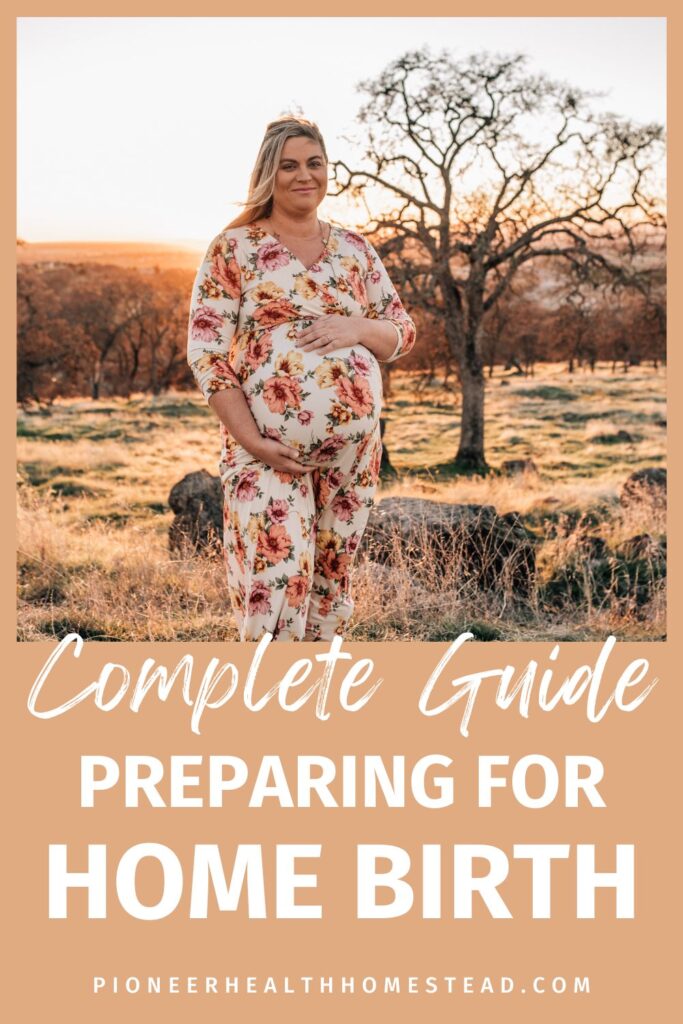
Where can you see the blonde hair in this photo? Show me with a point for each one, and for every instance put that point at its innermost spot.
(259, 201)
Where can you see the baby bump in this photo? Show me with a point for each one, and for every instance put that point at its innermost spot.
(317, 404)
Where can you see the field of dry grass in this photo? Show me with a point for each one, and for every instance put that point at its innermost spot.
(94, 478)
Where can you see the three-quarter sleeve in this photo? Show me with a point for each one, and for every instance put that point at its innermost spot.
(214, 310)
(384, 303)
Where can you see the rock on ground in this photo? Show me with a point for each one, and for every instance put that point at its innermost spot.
(645, 486)
(197, 501)
(425, 537)
(472, 541)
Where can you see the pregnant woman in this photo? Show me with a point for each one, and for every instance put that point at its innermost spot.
(289, 317)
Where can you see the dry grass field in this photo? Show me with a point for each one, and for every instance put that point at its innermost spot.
(94, 478)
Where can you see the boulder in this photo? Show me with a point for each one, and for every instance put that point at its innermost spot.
(491, 550)
(645, 486)
(197, 501)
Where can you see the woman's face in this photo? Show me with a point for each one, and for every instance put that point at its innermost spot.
(301, 178)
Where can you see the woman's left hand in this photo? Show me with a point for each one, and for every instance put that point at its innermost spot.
(328, 333)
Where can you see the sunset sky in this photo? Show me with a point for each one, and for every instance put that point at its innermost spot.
(146, 129)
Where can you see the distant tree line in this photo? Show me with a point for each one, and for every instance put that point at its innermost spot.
(97, 330)
(554, 322)
(91, 329)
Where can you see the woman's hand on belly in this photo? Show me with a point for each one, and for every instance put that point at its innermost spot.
(279, 456)
(329, 333)
(233, 411)
(333, 332)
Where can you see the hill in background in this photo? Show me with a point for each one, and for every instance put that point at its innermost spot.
(120, 254)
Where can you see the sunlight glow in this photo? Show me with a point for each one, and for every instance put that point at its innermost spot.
(145, 129)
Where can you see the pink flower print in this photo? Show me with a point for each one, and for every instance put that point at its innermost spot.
(375, 277)
(245, 489)
(356, 240)
(259, 599)
(240, 550)
(222, 371)
(352, 543)
(278, 510)
(297, 589)
(329, 299)
(274, 544)
(258, 349)
(394, 309)
(335, 478)
(226, 273)
(408, 336)
(356, 393)
(277, 312)
(360, 363)
(206, 323)
(332, 564)
(281, 392)
(304, 417)
(363, 445)
(344, 505)
(271, 256)
(329, 448)
(358, 287)
(322, 490)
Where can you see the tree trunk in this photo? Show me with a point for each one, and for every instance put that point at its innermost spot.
(386, 380)
(386, 469)
(470, 456)
(96, 380)
(154, 383)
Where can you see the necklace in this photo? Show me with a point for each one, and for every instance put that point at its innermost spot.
(325, 242)
(298, 237)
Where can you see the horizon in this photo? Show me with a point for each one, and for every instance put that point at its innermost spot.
(172, 242)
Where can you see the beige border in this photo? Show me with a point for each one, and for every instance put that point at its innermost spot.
(632, 963)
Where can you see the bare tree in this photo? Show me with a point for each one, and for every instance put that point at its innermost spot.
(48, 347)
(164, 326)
(109, 309)
(577, 322)
(86, 328)
(487, 167)
(492, 334)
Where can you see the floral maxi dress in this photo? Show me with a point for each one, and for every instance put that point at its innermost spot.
(289, 541)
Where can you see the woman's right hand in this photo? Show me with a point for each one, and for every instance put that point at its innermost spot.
(279, 456)
(232, 409)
